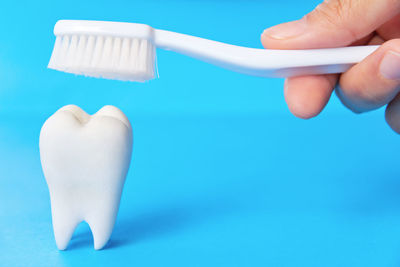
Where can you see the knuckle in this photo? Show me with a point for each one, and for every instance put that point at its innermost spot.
(335, 14)
(331, 11)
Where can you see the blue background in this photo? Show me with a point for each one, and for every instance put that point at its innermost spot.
(222, 173)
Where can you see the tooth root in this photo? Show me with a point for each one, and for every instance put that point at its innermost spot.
(101, 226)
(64, 225)
(101, 234)
(63, 233)
(101, 219)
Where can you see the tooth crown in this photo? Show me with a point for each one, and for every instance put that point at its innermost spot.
(85, 160)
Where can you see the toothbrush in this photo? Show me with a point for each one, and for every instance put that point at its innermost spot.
(127, 51)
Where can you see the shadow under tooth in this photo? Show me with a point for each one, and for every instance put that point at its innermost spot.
(98, 49)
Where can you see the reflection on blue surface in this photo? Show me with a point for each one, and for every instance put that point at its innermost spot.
(222, 174)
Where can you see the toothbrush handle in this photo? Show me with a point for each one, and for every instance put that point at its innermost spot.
(263, 62)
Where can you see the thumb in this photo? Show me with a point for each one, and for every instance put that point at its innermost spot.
(333, 23)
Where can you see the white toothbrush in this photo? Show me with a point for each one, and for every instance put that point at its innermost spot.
(126, 51)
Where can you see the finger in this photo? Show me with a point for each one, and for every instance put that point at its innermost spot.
(391, 29)
(364, 40)
(325, 26)
(374, 82)
(331, 24)
(306, 96)
(392, 114)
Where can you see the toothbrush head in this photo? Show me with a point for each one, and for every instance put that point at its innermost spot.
(110, 50)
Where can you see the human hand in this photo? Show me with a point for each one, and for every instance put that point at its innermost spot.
(368, 85)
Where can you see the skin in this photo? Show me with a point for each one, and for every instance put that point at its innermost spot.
(336, 23)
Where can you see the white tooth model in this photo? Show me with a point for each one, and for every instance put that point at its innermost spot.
(85, 160)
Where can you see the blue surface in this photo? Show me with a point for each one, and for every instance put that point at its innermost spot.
(222, 174)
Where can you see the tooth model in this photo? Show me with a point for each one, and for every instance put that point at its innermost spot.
(85, 160)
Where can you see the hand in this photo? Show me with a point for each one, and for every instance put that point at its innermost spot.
(372, 83)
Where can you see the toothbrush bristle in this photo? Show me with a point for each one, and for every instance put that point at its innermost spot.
(117, 58)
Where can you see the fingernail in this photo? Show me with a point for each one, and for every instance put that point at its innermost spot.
(390, 66)
(286, 30)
